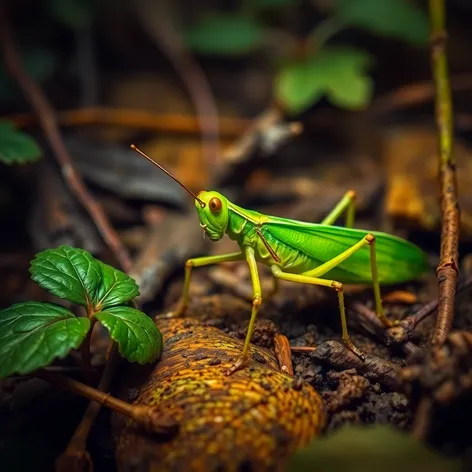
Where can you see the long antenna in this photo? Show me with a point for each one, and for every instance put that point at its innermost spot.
(134, 148)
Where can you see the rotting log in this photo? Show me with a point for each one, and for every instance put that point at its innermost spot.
(256, 417)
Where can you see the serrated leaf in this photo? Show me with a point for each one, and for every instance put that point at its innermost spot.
(395, 18)
(115, 288)
(224, 34)
(17, 147)
(33, 334)
(362, 448)
(139, 340)
(338, 73)
(67, 272)
(74, 14)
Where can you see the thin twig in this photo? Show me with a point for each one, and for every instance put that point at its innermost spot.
(402, 332)
(138, 119)
(50, 127)
(448, 268)
(159, 24)
(371, 323)
(308, 349)
(421, 422)
(416, 93)
(142, 414)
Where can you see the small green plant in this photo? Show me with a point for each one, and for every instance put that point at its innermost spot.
(33, 334)
(310, 69)
(17, 147)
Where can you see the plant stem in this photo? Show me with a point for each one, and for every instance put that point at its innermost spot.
(448, 268)
(324, 31)
(144, 415)
(86, 354)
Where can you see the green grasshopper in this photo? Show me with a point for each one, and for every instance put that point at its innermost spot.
(308, 253)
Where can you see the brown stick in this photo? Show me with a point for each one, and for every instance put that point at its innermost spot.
(306, 349)
(416, 93)
(50, 127)
(283, 354)
(139, 119)
(421, 422)
(158, 23)
(448, 268)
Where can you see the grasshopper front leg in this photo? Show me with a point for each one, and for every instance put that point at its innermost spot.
(199, 262)
(256, 303)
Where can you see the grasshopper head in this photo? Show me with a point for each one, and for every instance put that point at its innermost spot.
(214, 215)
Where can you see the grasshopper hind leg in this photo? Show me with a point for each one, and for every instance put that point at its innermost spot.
(346, 204)
(313, 277)
(305, 279)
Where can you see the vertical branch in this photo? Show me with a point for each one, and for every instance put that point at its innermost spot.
(49, 124)
(447, 270)
(158, 23)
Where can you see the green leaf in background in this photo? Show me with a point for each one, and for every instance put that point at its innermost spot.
(33, 334)
(74, 14)
(67, 272)
(115, 288)
(224, 34)
(338, 73)
(17, 147)
(369, 448)
(400, 19)
(139, 340)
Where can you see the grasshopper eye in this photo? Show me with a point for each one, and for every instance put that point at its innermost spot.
(215, 205)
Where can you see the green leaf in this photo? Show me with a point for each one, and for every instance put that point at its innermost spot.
(17, 147)
(395, 18)
(74, 14)
(33, 334)
(224, 34)
(338, 73)
(138, 338)
(115, 288)
(67, 272)
(379, 448)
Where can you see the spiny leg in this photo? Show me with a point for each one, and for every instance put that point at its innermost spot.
(305, 279)
(256, 303)
(327, 266)
(199, 262)
(348, 204)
